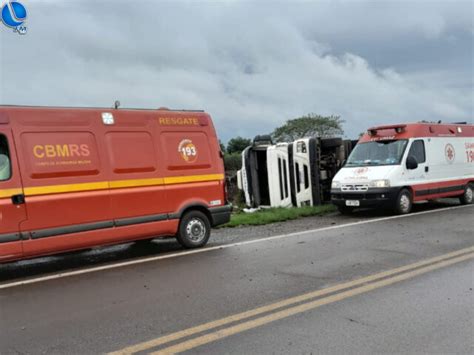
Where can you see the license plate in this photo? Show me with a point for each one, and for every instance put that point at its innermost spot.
(352, 203)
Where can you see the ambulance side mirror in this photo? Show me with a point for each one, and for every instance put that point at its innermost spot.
(412, 163)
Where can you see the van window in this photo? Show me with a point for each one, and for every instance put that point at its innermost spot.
(418, 151)
(5, 165)
(306, 177)
(131, 152)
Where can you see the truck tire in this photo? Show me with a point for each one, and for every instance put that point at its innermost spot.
(345, 210)
(404, 202)
(331, 142)
(194, 230)
(467, 196)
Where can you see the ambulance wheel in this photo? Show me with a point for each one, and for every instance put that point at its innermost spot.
(194, 230)
(467, 196)
(404, 202)
(345, 209)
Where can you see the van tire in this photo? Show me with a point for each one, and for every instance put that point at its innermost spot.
(345, 210)
(404, 202)
(467, 196)
(194, 230)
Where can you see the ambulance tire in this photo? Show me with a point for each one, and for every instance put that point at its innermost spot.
(194, 230)
(345, 210)
(467, 196)
(404, 202)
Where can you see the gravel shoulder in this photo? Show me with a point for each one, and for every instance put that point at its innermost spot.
(238, 234)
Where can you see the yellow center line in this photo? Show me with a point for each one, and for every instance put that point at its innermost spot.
(287, 302)
(223, 333)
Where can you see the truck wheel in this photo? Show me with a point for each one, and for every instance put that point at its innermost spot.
(345, 209)
(467, 196)
(404, 202)
(331, 142)
(194, 230)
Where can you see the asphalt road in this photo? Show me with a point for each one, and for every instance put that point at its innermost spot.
(426, 307)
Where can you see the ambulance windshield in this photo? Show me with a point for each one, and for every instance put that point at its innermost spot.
(377, 153)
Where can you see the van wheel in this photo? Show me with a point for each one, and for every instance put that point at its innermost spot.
(467, 196)
(194, 230)
(345, 209)
(404, 202)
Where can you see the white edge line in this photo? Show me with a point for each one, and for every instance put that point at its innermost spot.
(217, 247)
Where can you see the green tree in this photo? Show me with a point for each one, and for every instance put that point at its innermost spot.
(237, 145)
(232, 162)
(310, 125)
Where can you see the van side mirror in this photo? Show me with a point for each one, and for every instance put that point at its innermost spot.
(412, 163)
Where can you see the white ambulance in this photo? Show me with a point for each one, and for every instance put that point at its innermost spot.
(396, 165)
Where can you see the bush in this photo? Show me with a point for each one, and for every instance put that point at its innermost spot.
(232, 162)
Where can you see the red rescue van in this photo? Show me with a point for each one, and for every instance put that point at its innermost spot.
(74, 178)
(396, 165)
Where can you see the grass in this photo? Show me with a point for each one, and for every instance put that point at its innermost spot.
(274, 215)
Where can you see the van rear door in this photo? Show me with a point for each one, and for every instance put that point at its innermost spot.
(12, 206)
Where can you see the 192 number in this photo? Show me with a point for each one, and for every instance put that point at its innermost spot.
(470, 156)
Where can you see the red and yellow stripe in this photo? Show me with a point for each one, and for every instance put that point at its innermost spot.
(116, 184)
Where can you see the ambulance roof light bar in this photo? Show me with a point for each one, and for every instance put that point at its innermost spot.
(399, 128)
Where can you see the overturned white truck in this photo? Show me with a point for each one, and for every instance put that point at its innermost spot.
(291, 174)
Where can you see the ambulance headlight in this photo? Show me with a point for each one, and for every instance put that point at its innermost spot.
(336, 184)
(379, 183)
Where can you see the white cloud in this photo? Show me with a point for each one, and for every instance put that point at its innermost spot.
(251, 66)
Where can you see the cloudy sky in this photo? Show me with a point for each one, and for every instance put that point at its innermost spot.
(251, 64)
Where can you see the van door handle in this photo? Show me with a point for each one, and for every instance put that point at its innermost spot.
(427, 168)
(18, 199)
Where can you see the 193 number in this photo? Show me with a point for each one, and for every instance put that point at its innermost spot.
(189, 151)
